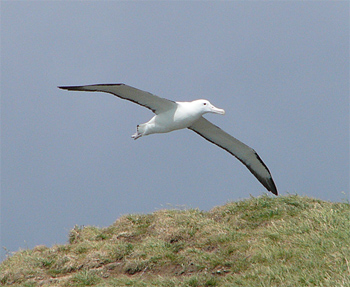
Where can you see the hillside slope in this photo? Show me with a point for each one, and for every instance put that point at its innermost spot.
(264, 241)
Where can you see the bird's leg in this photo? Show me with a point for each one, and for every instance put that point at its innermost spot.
(136, 135)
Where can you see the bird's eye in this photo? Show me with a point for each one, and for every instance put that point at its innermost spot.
(204, 103)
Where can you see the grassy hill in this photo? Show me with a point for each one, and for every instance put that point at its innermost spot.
(264, 241)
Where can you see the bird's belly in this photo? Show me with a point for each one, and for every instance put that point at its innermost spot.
(164, 123)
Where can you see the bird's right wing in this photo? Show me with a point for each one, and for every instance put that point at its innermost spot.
(146, 99)
(241, 151)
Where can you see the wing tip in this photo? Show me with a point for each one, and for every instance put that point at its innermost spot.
(271, 186)
(275, 192)
(86, 87)
(70, 88)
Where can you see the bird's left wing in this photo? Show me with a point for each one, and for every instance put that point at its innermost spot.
(146, 99)
(241, 151)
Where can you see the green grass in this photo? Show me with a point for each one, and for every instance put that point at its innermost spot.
(264, 241)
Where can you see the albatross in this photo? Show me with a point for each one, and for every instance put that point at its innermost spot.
(170, 116)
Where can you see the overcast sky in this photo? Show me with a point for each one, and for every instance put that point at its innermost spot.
(279, 69)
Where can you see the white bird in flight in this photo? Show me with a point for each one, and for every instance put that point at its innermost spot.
(172, 116)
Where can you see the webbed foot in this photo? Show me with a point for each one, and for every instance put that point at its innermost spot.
(136, 136)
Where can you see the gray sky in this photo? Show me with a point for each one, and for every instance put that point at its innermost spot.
(279, 69)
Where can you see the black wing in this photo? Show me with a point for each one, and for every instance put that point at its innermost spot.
(148, 100)
(241, 151)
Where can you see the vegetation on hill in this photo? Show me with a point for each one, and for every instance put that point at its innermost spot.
(264, 241)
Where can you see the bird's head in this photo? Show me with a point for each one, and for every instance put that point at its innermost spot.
(206, 107)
